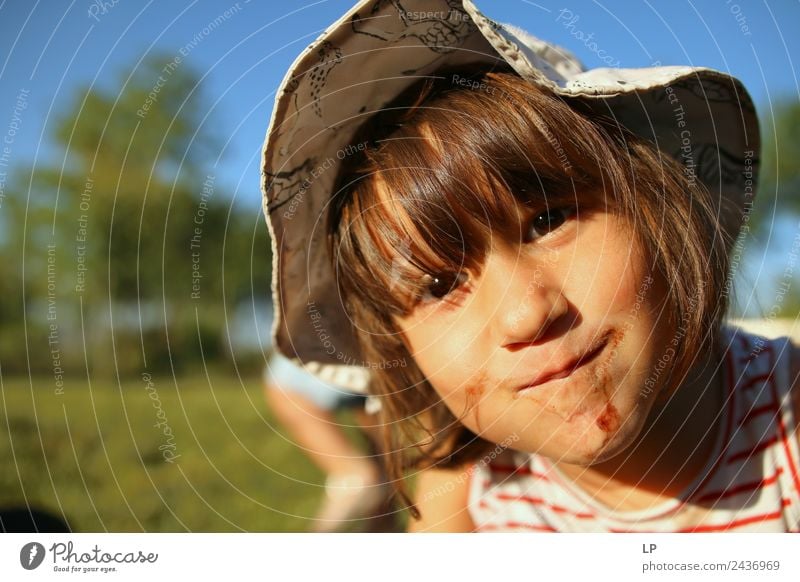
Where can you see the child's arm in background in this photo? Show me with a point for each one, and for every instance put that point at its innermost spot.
(441, 497)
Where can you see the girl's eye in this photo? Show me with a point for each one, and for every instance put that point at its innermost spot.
(437, 287)
(549, 220)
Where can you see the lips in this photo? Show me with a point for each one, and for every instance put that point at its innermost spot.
(569, 367)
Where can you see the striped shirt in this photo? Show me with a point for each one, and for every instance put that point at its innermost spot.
(751, 482)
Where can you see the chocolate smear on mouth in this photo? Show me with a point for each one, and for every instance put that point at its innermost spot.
(474, 392)
(608, 421)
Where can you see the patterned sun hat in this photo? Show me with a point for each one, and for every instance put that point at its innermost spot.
(703, 118)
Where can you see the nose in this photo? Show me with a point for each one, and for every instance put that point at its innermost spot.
(524, 297)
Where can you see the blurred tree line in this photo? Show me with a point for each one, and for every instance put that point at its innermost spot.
(779, 179)
(778, 199)
(125, 254)
(780, 176)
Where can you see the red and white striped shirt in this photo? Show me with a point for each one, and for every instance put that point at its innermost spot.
(750, 484)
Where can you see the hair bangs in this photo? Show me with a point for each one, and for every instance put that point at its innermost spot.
(441, 229)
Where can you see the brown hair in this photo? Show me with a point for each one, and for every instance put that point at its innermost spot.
(456, 155)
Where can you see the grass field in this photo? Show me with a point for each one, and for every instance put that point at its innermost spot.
(159, 455)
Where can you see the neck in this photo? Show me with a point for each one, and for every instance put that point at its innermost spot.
(675, 443)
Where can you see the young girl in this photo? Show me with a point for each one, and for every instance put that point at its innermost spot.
(533, 264)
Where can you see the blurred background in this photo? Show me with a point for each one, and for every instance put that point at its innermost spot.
(134, 258)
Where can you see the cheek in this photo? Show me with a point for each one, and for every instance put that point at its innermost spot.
(605, 278)
(444, 348)
(461, 382)
(445, 358)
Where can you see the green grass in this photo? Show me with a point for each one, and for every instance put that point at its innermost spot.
(93, 454)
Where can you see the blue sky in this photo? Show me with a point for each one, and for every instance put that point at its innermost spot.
(48, 48)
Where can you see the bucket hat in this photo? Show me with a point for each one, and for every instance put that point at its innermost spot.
(703, 118)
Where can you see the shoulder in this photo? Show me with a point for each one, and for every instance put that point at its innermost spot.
(442, 496)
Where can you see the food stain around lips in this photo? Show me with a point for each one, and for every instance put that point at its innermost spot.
(600, 393)
(608, 421)
(567, 372)
(473, 398)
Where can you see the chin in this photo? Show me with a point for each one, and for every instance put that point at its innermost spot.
(616, 442)
(608, 436)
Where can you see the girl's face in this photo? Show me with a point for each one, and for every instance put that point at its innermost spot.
(553, 345)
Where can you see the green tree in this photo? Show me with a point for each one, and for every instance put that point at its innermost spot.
(778, 191)
(125, 220)
(780, 164)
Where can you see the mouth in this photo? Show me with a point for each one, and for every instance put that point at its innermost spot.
(567, 370)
